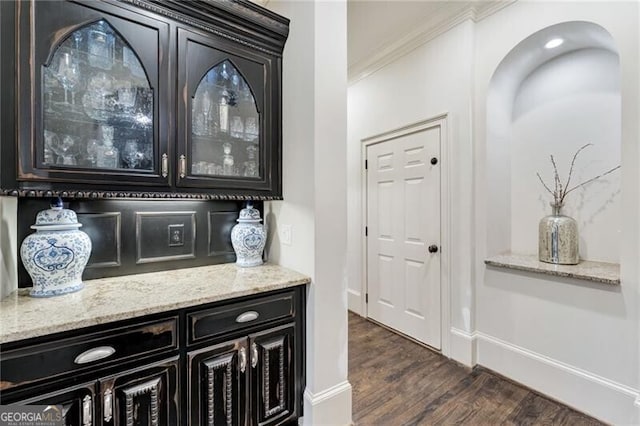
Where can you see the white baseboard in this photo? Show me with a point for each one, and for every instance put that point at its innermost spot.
(354, 301)
(462, 347)
(331, 406)
(597, 396)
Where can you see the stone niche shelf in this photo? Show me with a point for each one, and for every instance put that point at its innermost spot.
(601, 272)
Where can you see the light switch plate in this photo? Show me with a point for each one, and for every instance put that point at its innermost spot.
(285, 234)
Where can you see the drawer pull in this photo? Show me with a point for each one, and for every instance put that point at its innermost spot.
(248, 316)
(94, 354)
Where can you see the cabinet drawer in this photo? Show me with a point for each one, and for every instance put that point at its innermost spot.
(213, 322)
(48, 360)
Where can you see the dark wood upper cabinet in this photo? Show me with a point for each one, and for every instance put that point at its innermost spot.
(227, 115)
(94, 99)
(141, 96)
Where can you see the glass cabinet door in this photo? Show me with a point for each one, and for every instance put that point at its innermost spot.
(225, 125)
(227, 115)
(98, 85)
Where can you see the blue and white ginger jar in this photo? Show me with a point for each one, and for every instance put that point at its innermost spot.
(248, 237)
(56, 254)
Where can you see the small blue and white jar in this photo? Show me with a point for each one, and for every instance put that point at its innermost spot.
(248, 237)
(56, 254)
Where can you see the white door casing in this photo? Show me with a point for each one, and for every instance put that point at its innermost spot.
(403, 192)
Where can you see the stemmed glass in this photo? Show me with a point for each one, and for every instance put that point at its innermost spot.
(68, 75)
(206, 109)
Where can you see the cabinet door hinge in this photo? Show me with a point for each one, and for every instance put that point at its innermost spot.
(366, 164)
(366, 231)
(366, 298)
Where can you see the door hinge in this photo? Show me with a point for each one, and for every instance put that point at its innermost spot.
(366, 298)
(366, 231)
(366, 164)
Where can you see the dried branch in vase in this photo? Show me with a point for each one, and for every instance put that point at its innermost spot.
(560, 190)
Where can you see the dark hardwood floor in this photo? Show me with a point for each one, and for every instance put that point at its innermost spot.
(398, 382)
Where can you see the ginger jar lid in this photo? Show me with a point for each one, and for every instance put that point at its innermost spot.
(56, 218)
(249, 214)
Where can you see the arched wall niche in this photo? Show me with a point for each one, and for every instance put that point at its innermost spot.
(553, 101)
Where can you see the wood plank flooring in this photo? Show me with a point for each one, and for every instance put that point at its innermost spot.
(398, 382)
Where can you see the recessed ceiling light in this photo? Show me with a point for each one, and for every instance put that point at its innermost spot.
(554, 42)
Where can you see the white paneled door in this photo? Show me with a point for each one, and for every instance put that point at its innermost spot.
(403, 243)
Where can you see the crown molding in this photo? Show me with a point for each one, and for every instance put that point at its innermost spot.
(438, 23)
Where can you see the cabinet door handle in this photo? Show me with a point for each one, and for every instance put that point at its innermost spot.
(94, 354)
(87, 408)
(254, 355)
(243, 359)
(183, 166)
(247, 316)
(165, 165)
(108, 405)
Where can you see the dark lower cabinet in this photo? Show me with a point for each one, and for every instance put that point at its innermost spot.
(145, 396)
(217, 385)
(235, 362)
(245, 381)
(77, 403)
(140, 397)
(273, 379)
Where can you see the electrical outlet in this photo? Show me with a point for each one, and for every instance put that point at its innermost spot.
(176, 235)
(285, 234)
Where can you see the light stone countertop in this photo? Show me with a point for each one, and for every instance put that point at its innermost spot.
(117, 298)
(601, 272)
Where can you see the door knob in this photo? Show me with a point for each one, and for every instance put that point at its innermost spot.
(433, 248)
(434, 161)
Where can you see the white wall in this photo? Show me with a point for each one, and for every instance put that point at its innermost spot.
(559, 108)
(575, 341)
(431, 80)
(314, 165)
(8, 245)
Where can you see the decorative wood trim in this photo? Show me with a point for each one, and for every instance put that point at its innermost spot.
(600, 397)
(92, 195)
(225, 362)
(439, 23)
(188, 15)
(151, 387)
(278, 345)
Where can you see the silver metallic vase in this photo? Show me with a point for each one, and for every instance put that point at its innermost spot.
(558, 238)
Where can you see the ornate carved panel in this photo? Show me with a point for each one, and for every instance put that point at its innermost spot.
(273, 382)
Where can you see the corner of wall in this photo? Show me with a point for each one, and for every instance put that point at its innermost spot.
(8, 245)
(462, 347)
(321, 408)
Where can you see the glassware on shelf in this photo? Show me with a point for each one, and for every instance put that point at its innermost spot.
(68, 75)
(99, 98)
(132, 157)
(223, 109)
(107, 155)
(251, 166)
(206, 110)
(92, 151)
(126, 95)
(50, 140)
(251, 132)
(66, 150)
(237, 127)
(227, 160)
(101, 46)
